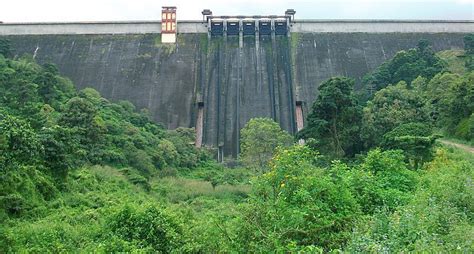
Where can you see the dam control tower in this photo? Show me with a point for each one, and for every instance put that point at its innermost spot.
(168, 24)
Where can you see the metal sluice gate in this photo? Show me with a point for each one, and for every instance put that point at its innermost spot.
(249, 25)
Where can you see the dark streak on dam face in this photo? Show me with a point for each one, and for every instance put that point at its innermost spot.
(243, 83)
(232, 84)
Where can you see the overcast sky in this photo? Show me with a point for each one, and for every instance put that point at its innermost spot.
(105, 10)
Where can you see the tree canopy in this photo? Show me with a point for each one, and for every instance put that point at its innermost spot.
(405, 66)
(334, 119)
(260, 137)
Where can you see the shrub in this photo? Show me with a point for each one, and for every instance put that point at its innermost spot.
(296, 203)
(147, 227)
(382, 180)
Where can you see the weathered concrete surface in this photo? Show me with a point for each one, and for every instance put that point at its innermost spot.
(263, 78)
(160, 77)
(241, 84)
(319, 56)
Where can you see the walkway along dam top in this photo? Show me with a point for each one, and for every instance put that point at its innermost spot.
(189, 26)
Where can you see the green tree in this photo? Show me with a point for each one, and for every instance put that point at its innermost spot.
(405, 66)
(260, 137)
(334, 119)
(89, 127)
(449, 102)
(59, 150)
(457, 103)
(214, 177)
(390, 107)
(53, 89)
(19, 144)
(166, 154)
(415, 139)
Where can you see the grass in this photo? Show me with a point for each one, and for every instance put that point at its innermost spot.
(458, 154)
(76, 219)
(176, 190)
(454, 59)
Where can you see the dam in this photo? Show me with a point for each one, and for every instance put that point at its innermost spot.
(222, 71)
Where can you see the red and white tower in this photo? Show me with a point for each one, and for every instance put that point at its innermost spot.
(168, 24)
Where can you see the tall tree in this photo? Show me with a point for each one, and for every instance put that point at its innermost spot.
(415, 139)
(335, 118)
(260, 137)
(390, 107)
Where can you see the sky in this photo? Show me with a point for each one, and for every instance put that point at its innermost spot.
(123, 10)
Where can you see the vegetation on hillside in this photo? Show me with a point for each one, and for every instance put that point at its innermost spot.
(82, 174)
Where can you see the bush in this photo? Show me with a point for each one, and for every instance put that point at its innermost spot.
(437, 218)
(382, 180)
(298, 204)
(147, 227)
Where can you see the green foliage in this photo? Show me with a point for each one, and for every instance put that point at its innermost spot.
(469, 48)
(148, 228)
(415, 139)
(382, 181)
(426, 93)
(438, 217)
(297, 204)
(455, 60)
(20, 145)
(457, 102)
(59, 146)
(449, 101)
(82, 127)
(156, 192)
(47, 129)
(334, 119)
(391, 107)
(5, 48)
(260, 137)
(405, 66)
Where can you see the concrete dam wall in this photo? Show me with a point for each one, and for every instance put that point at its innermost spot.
(220, 83)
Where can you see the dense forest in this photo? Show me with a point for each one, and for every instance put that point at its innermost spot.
(79, 173)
